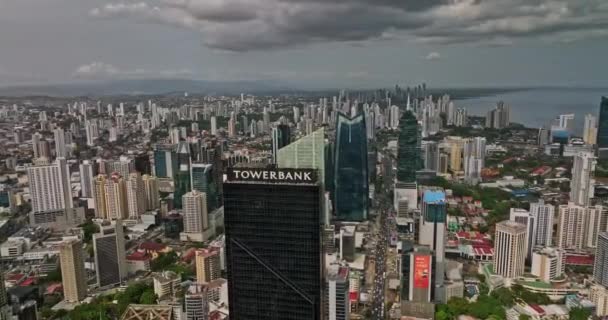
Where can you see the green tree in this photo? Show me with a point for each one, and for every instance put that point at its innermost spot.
(524, 317)
(89, 228)
(504, 296)
(148, 297)
(164, 261)
(53, 276)
(579, 314)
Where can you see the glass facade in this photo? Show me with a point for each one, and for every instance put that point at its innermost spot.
(165, 161)
(203, 180)
(306, 153)
(281, 137)
(182, 181)
(602, 131)
(273, 250)
(408, 151)
(434, 206)
(106, 260)
(351, 186)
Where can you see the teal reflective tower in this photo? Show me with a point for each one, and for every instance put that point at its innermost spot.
(182, 181)
(202, 176)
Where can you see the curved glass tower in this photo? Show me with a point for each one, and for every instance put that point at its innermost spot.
(351, 189)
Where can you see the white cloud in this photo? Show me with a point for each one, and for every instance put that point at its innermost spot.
(242, 25)
(433, 56)
(101, 70)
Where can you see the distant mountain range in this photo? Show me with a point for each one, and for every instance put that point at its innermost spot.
(143, 87)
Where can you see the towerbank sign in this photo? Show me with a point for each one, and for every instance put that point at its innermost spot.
(272, 175)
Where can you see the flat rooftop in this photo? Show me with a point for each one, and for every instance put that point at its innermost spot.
(433, 196)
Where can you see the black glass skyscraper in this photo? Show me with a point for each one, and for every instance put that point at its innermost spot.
(273, 243)
(408, 149)
(351, 186)
(602, 130)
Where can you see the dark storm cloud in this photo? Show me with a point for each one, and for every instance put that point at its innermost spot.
(243, 25)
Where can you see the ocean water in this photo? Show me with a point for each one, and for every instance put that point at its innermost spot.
(538, 107)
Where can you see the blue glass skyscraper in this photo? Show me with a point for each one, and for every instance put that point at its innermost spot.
(351, 188)
(165, 161)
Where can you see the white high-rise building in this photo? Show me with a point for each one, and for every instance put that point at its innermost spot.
(337, 306)
(394, 117)
(582, 185)
(194, 209)
(231, 128)
(92, 132)
(86, 179)
(135, 196)
(113, 134)
(461, 118)
(50, 187)
(590, 129)
(548, 263)
(472, 169)
(509, 249)
(296, 115)
(524, 217)
(60, 150)
(543, 215)
(578, 226)
(116, 198)
(213, 125)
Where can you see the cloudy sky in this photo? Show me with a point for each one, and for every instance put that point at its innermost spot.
(309, 43)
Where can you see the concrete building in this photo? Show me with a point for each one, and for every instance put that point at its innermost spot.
(509, 249)
(49, 186)
(418, 287)
(578, 226)
(60, 148)
(136, 201)
(543, 215)
(208, 266)
(548, 263)
(337, 305)
(582, 185)
(196, 303)
(590, 129)
(433, 234)
(167, 285)
(524, 217)
(73, 275)
(116, 198)
(600, 268)
(151, 195)
(598, 294)
(196, 219)
(99, 196)
(87, 177)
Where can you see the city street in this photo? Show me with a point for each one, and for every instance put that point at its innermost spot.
(378, 292)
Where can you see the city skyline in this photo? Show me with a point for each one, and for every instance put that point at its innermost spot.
(306, 44)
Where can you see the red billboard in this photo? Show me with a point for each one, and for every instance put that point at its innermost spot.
(422, 271)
